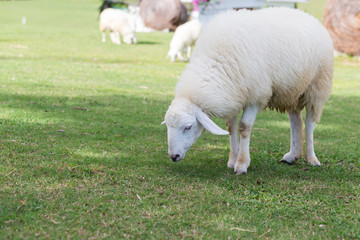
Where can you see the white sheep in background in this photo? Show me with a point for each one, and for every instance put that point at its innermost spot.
(185, 36)
(117, 22)
(137, 19)
(277, 58)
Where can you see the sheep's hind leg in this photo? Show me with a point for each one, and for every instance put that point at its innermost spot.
(245, 126)
(296, 145)
(103, 34)
(232, 127)
(309, 129)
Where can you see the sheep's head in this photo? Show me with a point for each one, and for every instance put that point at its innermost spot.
(130, 38)
(172, 54)
(185, 122)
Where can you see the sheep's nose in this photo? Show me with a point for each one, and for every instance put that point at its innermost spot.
(175, 157)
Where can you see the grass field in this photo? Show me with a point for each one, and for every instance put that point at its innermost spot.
(83, 154)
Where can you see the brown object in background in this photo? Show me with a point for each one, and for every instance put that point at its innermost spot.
(342, 20)
(162, 14)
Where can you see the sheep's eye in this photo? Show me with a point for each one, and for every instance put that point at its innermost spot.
(187, 128)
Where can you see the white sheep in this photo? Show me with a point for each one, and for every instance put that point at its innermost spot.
(117, 22)
(275, 58)
(184, 37)
(137, 20)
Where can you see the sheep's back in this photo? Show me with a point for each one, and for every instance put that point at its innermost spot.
(267, 57)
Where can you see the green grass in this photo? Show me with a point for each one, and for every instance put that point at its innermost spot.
(314, 7)
(106, 174)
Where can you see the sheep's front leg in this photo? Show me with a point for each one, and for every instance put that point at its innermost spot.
(179, 55)
(309, 130)
(117, 38)
(188, 53)
(232, 127)
(245, 126)
(296, 144)
(103, 37)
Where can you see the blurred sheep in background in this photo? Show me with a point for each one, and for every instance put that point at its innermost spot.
(184, 38)
(118, 23)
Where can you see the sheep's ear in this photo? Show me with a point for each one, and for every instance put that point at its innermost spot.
(209, 125)
(163, 123)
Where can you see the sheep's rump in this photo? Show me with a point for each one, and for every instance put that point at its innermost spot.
(278, 58)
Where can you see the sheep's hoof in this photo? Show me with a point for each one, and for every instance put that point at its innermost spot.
(232, 160)
(287, 162)
(230, 164)
(290, 158)
(239, 173)
(241, 167)
(313, 161)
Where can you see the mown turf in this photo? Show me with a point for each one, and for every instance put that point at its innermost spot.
(83, 154)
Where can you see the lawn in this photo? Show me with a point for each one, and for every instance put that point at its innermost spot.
(83, 154)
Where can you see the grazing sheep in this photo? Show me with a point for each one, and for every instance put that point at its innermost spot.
(117, 22)
(275, 58)
(185, 36)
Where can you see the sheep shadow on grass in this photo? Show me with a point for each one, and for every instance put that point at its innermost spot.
(147, 43)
